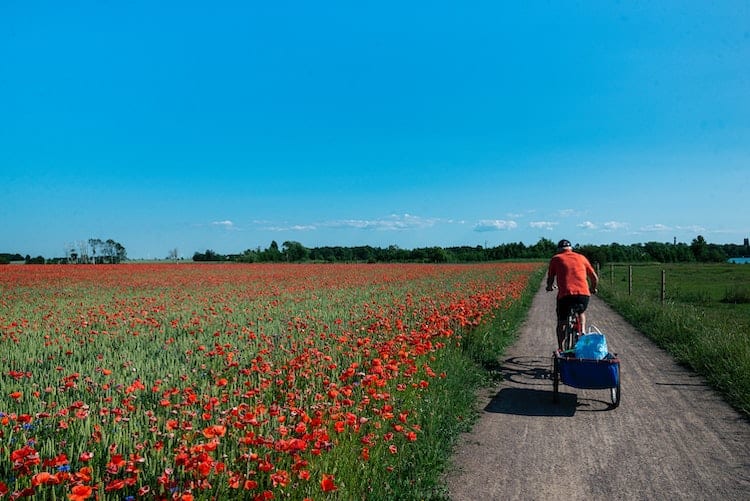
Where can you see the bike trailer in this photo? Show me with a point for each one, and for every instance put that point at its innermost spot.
(589, 374)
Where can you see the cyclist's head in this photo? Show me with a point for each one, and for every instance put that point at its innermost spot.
(563, 244)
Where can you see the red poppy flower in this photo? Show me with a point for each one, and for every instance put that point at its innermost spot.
(43, 478)
(327, 483)
(216, 430)
(80, 493)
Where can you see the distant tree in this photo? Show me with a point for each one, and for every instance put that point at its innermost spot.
(113, 252)
(594, 253)
(736, 250)
(209, 255)
(543, 248)
(436, 255)
(96, 245)
(364, 253)
(6, 258)
(294, 251)
(659, 252)
(326, 254)
(699, 248)
(173, 254)
(272, 254)
(109, 250)
(716, 254)
(394, 253)
(248, 256)
(83, 251)
(71, 256)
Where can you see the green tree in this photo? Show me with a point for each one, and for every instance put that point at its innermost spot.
(699, 248)
(96, 246)
(294, 251)
(272, 254)
(209, 255)
(544, 248)
(437, 255)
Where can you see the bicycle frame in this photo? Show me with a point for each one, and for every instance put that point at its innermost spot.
(573, 329)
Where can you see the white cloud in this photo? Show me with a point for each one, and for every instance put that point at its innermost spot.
(656, 227)
(293, 227)
(567, 212)
(394, 222)
(227, 224)
(694, 228)
(495, 225)
(545, 225)
(615, 225)
(587, 225)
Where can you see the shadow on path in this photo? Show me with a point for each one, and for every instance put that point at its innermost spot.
(520, 399)
(528, 402)
(534, 371)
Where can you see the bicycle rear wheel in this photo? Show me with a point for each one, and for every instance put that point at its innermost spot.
(615, 395)
(570, 336)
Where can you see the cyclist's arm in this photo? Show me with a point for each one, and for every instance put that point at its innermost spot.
(550, 281)
(551, 271)
(594, 281)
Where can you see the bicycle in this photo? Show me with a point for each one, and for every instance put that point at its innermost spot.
(573, 328)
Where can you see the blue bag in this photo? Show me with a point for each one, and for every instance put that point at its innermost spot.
(592, 346)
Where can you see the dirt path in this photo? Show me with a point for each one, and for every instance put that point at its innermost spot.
(671, 437)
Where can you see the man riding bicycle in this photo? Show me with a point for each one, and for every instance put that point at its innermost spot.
(571, 270)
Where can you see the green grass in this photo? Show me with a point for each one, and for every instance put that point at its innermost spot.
(702, 319)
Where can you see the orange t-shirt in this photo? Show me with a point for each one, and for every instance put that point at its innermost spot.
(570, 269)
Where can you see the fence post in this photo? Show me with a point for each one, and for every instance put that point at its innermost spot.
(663, 285)
(630, 280)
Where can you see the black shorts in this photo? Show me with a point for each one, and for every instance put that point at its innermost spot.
(567, 303)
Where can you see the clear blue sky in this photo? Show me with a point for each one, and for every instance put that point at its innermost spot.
(226, 125)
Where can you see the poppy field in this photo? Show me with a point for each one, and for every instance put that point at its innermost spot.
(226, 381)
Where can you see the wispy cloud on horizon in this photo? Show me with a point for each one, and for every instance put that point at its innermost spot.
(394, 222)
(615, 225)
(678, 229)
(495, 225)
(226, 224)
(655, 227)
(293, 227)
(568, 212)
(544, 225)
(694, 228)
(587, 225)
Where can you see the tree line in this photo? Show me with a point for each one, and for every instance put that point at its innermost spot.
(91, 251)
(291, 251)
(100, 251)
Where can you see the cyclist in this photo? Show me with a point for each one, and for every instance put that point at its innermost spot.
(571, 270)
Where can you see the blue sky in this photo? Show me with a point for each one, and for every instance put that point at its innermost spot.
(226, 125)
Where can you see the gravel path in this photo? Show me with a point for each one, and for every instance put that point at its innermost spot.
(672, 437)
